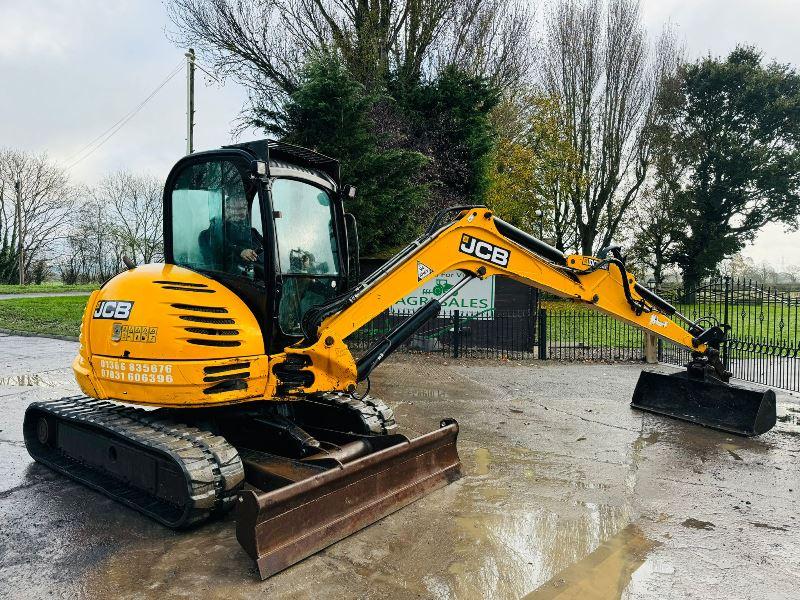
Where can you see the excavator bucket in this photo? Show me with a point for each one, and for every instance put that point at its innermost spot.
(706, 401)
(301, 507)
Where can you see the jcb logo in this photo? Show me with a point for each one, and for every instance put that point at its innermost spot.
(484, 250)
(113, 309)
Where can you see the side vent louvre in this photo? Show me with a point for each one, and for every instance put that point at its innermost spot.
(226, 377)
(209, 320)
(194, 307)
(226, 386)
(219, 343)
(223, 368)
(182, 283)
(188, 289)
(211, 331)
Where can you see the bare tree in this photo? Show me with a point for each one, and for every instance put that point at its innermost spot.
(262, 43)
(90, 252)
(135, 211)
(243, 39)
(46, 199)
(489, 38)
(121, 216)
(598, 64)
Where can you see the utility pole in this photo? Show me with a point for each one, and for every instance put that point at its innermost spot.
(20, 248)
(190, 101)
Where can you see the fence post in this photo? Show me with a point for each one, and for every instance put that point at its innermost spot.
(542, 334)
(456, 332)
(725, 321)
(651, 348)
(533, 305)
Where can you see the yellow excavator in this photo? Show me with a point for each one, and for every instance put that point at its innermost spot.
(223, 377)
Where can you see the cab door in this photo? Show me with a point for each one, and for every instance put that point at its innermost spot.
(213, 224)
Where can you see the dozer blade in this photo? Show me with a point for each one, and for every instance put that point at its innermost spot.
(706, 401)
(283, 526)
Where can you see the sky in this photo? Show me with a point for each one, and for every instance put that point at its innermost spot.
(70, 69)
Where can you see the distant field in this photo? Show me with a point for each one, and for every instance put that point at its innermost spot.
(772, 321)
(47, 288)
(57, 315)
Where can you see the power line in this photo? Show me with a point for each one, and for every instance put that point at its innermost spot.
(101, 139)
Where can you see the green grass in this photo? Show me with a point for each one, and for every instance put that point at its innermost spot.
(757, 321)
(47, 288)
(57, 315)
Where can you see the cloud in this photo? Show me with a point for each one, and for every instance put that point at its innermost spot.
(50, 29)
(70, 69)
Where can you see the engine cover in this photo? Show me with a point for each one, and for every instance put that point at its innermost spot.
(164, 335)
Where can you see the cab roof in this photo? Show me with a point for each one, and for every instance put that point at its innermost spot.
(276, 153)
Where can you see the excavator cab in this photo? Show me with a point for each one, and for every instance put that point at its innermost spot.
(265, 219)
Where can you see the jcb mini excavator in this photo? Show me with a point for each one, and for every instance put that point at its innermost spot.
(234, 353)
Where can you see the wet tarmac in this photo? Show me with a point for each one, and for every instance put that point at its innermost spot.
(567, 493)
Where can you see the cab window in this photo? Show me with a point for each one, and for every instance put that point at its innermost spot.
(213, 219)
(308, 254)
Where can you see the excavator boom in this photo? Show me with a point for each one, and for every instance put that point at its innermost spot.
(480, 245)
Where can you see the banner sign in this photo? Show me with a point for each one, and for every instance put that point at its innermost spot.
(477, 297)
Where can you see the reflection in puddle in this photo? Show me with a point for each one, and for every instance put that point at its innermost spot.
(519, 551)
(732, 450)
(604, 573)
(641, 442)
(587, 548)
(503, 549)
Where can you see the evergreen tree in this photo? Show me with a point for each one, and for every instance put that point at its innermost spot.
(332, 113)
(450, 122)
(733, 126)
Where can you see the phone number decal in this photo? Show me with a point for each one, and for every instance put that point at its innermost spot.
(135, 372)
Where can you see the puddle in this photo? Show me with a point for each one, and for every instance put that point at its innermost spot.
(504, 549)
(604, 573)
(646, 440)
(639, 444)
(482, 461)
(731, 449)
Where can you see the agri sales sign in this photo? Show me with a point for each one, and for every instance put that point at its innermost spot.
(476, 297)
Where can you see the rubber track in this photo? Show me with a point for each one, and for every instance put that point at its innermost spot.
(213, 468)
(373, 412)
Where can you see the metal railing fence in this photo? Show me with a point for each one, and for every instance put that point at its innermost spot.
(763, 328)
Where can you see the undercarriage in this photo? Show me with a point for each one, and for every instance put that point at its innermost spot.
(303, 474)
